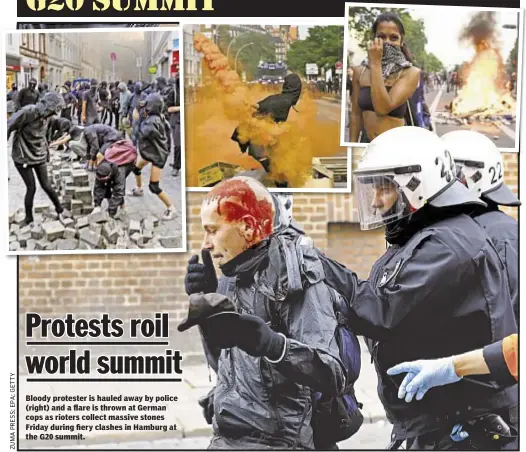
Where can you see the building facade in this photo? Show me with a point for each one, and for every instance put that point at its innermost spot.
(31, 52)
(13, 60)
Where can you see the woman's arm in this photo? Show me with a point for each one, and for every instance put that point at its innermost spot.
(383, 101)
(356, 113)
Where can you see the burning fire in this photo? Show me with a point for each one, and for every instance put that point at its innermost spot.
(484, 91)
(228, 103)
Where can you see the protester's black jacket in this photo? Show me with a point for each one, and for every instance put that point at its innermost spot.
(253, 395)
(112, 189)
(98, 136)
(154, 139)
(441, 293)
(27, 96)
(30, 145)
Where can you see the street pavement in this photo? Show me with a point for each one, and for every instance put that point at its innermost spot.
(437, 100)
(137, 208)
(192, 430)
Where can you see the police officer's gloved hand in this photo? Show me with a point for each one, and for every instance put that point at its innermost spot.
(257, 339)
(200, 277)
(207, 404)
(423, 375)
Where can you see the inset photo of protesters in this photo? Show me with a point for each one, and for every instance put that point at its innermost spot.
(439, 68)
(263, 101)
(92, 141)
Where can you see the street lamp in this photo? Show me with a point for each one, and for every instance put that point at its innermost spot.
(234, 40)
(139, 66)
(238, 52)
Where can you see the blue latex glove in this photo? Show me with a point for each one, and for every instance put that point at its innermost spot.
(423, 375)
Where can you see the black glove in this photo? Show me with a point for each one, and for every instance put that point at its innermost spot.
(207, 403)
(247, 332)
(200, 277)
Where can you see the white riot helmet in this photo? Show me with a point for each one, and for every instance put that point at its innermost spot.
(479, 166)
(402, 170)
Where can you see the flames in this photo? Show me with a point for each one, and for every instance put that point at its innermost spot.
(484, 89)
(226, 103)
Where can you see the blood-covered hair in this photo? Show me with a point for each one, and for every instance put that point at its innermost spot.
(238, 197)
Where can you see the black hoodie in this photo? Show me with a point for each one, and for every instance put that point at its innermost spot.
(277, 106)
(30, 124)
(154, 137)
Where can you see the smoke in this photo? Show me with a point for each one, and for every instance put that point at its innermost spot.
(482, 30)
(227, 103)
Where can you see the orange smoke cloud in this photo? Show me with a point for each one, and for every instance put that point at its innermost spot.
(227, 103)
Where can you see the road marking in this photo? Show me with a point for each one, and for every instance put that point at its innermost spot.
(433, 108)
(507, 131)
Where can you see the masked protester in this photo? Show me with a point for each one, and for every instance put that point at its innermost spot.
(438, 290)
(154, 143)
(134, 112)
(27, 95)
(69, 100)
(57, 129)
(110, 184)
(277, 107)
(90, 102)
(252, 359)
(93, 142)
(43, 88)
(30, 147)
(384, 82)
(13, 93)
(124, 105)
(480, 167)
(104, 102)
(172, 102)
(114, 104)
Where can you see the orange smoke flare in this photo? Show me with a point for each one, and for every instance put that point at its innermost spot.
(227, 103)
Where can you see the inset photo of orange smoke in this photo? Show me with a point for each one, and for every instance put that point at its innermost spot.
(264, 101)
(443, 68)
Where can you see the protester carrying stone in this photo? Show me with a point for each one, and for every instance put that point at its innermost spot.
(382, 84)
(124, 103)
(154, 143)
(439, 290)
(30, 148)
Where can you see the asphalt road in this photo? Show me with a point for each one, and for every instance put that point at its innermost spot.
(437, 100)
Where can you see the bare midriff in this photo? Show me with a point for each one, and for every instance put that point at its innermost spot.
(375, 125)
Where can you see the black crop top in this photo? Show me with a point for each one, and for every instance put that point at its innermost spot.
(365, 102)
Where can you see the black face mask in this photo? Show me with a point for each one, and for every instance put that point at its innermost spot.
(32, 86)
(93, 89)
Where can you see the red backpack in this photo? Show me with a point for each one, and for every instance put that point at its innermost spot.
(121, 152)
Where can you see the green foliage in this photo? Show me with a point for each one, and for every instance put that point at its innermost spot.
(361, 20)
(323, 46)
(513, 57)
(262, 48)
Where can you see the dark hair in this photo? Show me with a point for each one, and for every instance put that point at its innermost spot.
(395, 18)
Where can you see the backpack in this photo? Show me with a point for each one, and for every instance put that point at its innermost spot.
(121, 152)
(334, 418)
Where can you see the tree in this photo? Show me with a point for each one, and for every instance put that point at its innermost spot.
(361, 20)
(323, 46)
(433, 64)
(263, 48)
(513, 58)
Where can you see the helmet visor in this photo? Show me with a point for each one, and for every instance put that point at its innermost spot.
(380, 200)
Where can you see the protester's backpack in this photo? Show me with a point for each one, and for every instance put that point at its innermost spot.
(334, 418)
(121, 152)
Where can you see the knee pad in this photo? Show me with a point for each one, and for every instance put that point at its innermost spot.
(136, 171)
(154, 188)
